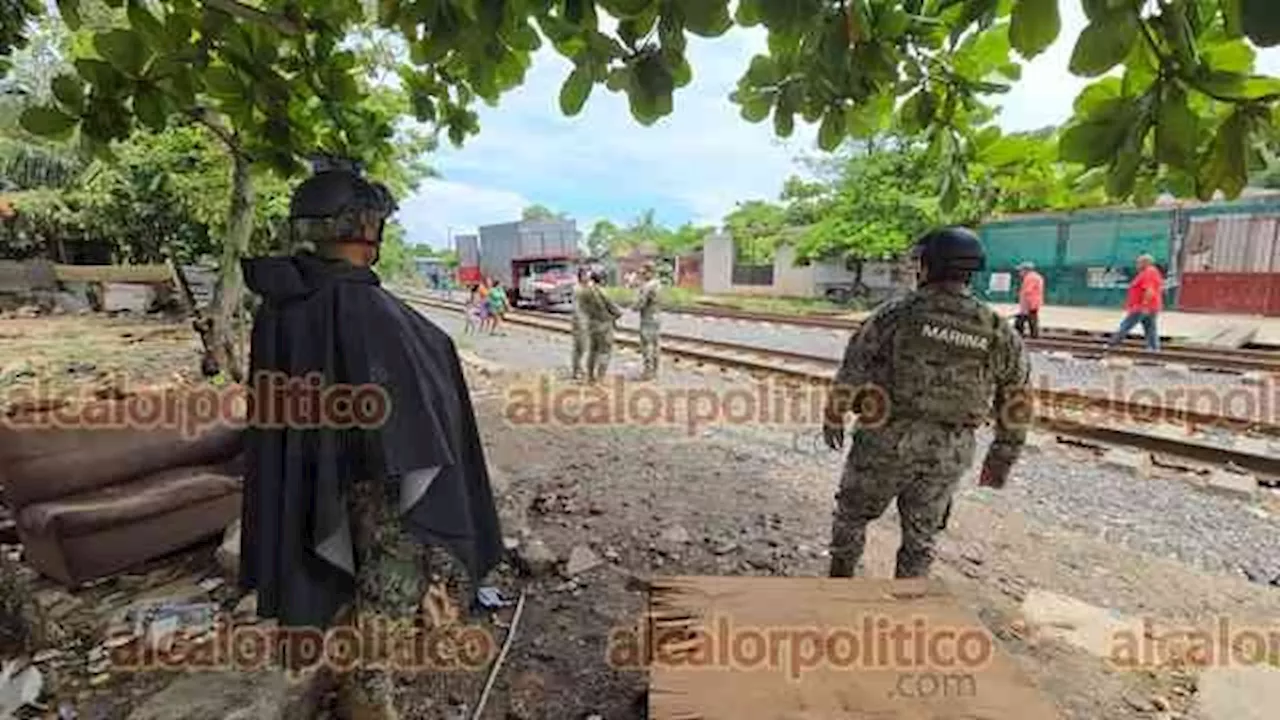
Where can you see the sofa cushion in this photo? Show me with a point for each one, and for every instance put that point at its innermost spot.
(128, 502)
(43, 459)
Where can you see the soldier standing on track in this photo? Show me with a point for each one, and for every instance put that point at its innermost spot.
(923, 371)
(647, 306)
(601, 314)
(581, 330)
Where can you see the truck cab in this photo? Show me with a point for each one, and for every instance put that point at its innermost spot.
(544, 283)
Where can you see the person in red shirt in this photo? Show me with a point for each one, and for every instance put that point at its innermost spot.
(1030, 300)
(1143, 304)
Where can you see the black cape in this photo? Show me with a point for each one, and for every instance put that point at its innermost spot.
(332, 318)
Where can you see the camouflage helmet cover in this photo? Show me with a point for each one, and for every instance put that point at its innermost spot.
(337, 204)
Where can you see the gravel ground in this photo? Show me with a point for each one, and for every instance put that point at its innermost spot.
(1165, 518)
(759, 500)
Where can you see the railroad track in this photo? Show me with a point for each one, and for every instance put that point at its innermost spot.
(1079, 343)
(1158, 428)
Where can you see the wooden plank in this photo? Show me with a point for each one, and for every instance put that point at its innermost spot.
(736, 648)
(157, 273)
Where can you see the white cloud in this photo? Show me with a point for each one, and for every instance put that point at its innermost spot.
(441, 208)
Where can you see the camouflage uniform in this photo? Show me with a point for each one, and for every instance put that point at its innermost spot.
(394, 574)
(647, 306)
(581, 334)
(601, 313)
(941, 356)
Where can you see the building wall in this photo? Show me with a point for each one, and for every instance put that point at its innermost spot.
(789, 279)
(717, 264)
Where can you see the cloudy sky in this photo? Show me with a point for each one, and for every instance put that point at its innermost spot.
(691, 166)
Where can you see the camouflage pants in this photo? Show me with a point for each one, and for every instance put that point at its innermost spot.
(581, 340)
(394, 573)
(649, 347)
(600, 349)
(920, 465)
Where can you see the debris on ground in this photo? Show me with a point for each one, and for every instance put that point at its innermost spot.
(19, 686)
(581, 559)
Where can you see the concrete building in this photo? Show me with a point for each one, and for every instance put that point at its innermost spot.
(722, 275)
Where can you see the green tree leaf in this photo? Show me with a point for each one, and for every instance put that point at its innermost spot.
(707, 18)
(755, 105)
(223, 82)
(123, 49)
(1104, 44)
(762, 71)
(70, 12)
(46, 121)
(1239, 87)
(1232, 18)
(149, 105)
(784, 122)
(1233, 56)
(1094, 141)
(145, 24)
(574, 92)
(626, 9)
(1226, 167)
(983, 53)
(1034, 27)
(832, 130)
(1176, 129)
(69, 91)
(749, 13)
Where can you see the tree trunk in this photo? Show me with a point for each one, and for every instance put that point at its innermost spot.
(229, 292)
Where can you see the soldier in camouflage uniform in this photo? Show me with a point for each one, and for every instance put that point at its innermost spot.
(581, 334)
(647, 307)
(923, 372)
(394, 573)
(601, 314)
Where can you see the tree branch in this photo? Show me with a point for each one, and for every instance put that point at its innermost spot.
(205, 118)
(252, 14)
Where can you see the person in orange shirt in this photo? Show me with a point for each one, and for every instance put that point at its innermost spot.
(1030, 300)
(1143, 304)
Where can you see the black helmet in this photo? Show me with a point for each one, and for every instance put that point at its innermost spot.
(337, 203)
(950, 252)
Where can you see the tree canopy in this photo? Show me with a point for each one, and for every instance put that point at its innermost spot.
(1187, 108)
(646, 235)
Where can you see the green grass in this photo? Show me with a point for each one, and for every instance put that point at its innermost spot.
(675, 297)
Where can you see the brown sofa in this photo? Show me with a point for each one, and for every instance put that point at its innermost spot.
(90, 502)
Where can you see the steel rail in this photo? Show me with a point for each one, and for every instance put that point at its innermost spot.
(1081, 342)
(1063, 411)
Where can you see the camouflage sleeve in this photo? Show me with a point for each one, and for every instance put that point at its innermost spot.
(1013, 398)
(609, 305)
(862, 358)
(642, 299)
